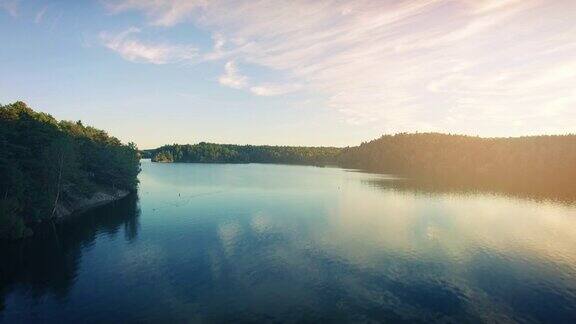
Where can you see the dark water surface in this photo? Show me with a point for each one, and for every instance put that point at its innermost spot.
(249, 243)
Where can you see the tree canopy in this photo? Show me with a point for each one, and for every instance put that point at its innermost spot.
(546, 163)
(228, 153)
(531, 164)
(42, 159)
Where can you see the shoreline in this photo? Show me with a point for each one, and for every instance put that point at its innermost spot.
(74, 205)
(71, 207)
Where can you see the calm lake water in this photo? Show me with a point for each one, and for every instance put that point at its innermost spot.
(250, 243)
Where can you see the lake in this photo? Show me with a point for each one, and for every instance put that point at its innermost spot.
(261, 243)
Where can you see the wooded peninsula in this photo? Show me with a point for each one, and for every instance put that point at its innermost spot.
(50, 168)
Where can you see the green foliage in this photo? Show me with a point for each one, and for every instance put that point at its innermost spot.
(11, 225)
(41, 160)
(146, 154)
(227, 153)
(163, 156)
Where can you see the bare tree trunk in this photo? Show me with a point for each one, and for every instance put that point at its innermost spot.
(55, 234)
(58, 184)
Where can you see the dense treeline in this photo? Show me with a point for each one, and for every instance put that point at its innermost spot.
(536, 162)
(227, 153)
(527, 165)
(43, 160)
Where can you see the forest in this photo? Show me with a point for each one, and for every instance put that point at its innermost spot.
(228, 153)
(528, 164)
(543, 163)
(43, 161)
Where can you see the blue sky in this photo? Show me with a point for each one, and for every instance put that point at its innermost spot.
(323, 72)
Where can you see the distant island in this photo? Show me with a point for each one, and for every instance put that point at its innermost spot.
(50, 169)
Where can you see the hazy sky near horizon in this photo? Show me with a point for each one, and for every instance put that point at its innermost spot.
(322, 72)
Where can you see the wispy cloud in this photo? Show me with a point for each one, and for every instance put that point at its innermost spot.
(401, 65)
(132, 49)
(232, 77)
(40, 15)
(483, 6)
(10, 6)
(270, 89)
(161, 12)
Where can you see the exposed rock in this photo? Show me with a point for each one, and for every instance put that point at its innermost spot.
(74, 203)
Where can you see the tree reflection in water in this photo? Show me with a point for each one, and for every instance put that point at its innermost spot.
(49, 261)
(543, 192)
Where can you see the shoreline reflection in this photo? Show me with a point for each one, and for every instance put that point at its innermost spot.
(221, 243)
(545, 193)
(49, 261)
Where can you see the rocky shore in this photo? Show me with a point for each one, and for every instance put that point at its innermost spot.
(74, 204)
